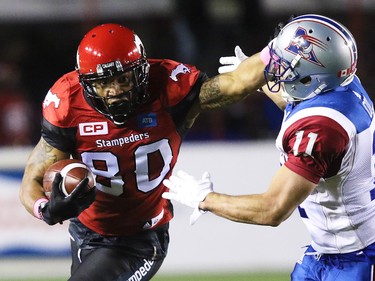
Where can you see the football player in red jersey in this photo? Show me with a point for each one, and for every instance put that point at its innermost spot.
(125, 116)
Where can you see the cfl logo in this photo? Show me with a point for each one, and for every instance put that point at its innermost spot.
(93, 128)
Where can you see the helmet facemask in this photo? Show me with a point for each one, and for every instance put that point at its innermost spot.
(125, 103)
(279, 70)
(283, 75)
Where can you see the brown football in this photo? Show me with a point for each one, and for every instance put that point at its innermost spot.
(72, 171)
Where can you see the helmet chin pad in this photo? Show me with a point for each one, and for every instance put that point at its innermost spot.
(119, 111)
(119, 120)
(118, 108)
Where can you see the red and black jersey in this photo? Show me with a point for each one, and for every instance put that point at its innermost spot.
(129, 162)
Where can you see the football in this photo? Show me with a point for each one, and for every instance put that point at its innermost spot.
(72, 171)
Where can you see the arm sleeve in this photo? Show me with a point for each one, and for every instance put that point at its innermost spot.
(60, 138)
(180, 110)
(315, 147)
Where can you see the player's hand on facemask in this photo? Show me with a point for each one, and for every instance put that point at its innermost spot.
(230, 63)
(189, 191)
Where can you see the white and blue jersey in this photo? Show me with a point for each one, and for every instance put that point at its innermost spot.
(329, 140)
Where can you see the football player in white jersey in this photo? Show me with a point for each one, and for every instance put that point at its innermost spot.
(327, 145)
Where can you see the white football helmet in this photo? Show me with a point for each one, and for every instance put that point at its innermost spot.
(312, 54)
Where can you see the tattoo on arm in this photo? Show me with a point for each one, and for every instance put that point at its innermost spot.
(46, 155)
(210, 90)
(212, 97)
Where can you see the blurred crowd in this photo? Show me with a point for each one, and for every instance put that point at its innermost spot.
(34, 54)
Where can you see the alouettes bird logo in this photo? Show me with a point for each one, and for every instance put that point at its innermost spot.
(303, 44)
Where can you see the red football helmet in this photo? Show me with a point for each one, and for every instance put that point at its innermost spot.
(107, 51)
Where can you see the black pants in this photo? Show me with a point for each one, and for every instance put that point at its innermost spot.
(99, 258)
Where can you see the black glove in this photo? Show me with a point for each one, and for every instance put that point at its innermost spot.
(60, 208)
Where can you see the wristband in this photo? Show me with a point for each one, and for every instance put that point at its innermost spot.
(265, 55)
(36, 209)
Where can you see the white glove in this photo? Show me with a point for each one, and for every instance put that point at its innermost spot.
(189, 191)
(231, 63)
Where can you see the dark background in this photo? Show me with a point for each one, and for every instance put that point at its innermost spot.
(36, 50)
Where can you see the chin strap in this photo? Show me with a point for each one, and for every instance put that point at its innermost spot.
(349, 79)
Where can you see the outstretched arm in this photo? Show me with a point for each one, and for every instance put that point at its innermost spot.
(230, 63)
(286, 191)
(228, 88)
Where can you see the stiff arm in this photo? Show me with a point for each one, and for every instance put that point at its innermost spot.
(228, 88)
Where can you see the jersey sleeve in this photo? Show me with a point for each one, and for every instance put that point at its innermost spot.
(57, 124)
(58, 101)
(315, 147)
(176, 81)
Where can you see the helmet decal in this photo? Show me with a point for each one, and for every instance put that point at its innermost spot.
(339, 29)
(303, 45)
(336, 26)
(114, 66)
(138, 43)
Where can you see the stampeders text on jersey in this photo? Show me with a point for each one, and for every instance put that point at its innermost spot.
(121, 141)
